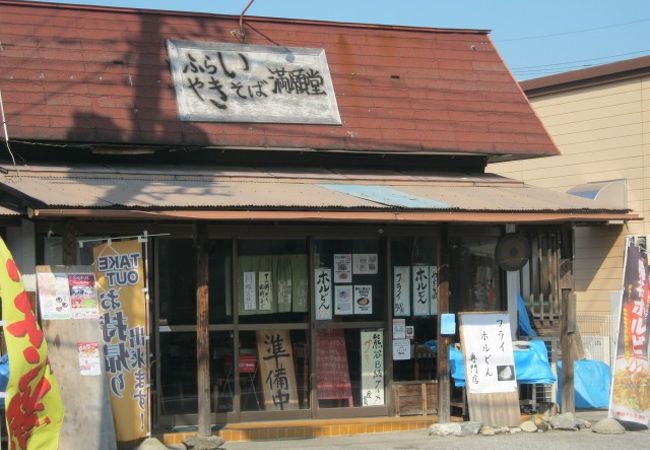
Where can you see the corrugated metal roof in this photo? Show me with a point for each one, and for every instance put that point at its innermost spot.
(6, 211)
(176, 188)
(88, 74)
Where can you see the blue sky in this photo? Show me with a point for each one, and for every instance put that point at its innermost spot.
(535, 37)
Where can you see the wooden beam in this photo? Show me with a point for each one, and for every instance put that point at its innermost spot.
(567, 331)
(202, 335)
(444, 393)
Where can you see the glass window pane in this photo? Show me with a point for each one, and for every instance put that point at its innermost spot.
(349, 280)
(274, 370)
(220, 281)
(273, 284)
(178, 390)
(177, 281)
(415, 305)
(221, 373)
(350, 367)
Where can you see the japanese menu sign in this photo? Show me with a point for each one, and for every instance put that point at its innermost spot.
(372, 368)
(332, 371)
(265, 290)
(89, 360)
(401, 291)
(630, 393)
(223, 82)
(277, 370)
(83, 296)
(323, 293)
(421, 293)
(488, 353)
(120, 279)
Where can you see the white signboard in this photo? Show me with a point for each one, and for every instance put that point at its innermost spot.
(401, 349)
(250, 298)
(487, 351)
(343, 299)
(89, 362)
(222, 82)
(323, 293)
(264, 291)
(401, 291)
(343, 268)
(421, 294)
(372, 368)
(363, 299)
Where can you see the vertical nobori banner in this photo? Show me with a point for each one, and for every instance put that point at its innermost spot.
(630, 394)
(120, 284)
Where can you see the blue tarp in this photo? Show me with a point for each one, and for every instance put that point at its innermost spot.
(4, 376)
(531, 366)
(591, 381)
(525, 327)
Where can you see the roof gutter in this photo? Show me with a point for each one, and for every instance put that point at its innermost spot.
(334, 216)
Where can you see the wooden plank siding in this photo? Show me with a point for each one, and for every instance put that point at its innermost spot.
(603, 133)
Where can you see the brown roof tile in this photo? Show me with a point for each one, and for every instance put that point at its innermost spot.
(93, 73)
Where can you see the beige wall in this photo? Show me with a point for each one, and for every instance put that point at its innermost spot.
(603, 133)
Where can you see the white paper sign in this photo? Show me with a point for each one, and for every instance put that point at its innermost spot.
(343, 268)
(89, 362)
(487, 351)
(284, 294)
(250, 290)
(323, 293)
(364, 263)
(399, 328)
(264, 291)
(401, 349)
(343, 299)
(401, 291)
(363, 299)
(372, 368)
(433, 289)
(54, 295)
(421, 294)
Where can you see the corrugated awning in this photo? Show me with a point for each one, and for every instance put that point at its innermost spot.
(292, 194)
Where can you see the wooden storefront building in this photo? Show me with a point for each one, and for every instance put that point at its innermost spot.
(302, 176)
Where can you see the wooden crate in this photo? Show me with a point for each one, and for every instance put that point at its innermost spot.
(415, 398)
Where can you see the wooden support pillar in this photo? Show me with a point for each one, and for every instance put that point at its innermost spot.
(202, 336)
(69, 244)
(444, 387)
(567, 332)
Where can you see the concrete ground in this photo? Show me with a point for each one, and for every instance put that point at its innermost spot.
(414, 440)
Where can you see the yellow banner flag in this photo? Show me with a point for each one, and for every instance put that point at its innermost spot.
(33, 403)
(120, 281)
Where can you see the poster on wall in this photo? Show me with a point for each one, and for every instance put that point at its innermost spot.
(433, 289)
(343, 299)
(401, 291)
(421, 294)
(487, 352)
(89, 361)
(83, 296)
(372, 368)
(343, 268)
(399, 328)
(363, 299)
(401, 349)
(323, 293)
(250, 292)
(264, 291)
(120, 281)
(630, 393)
(364, 263)
(53, 296)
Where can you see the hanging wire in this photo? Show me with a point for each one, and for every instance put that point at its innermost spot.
(6, 134)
